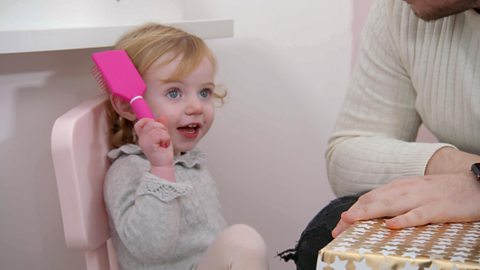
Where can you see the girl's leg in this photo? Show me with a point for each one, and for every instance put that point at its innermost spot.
(238, 247)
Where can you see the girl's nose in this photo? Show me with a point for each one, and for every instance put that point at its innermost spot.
(194, 106)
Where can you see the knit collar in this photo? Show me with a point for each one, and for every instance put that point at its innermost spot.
(473, 19)
(190, 159)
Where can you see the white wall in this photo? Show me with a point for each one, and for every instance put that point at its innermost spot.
(46, 14)
(287, 69)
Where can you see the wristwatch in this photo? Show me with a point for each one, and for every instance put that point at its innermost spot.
(476, 170)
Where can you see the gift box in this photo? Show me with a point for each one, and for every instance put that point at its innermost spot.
(371, 245)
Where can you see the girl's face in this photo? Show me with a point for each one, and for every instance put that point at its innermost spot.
(187, 104)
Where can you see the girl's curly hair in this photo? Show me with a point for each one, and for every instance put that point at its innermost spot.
(145, 45)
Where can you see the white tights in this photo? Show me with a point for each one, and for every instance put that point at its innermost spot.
(238, 247)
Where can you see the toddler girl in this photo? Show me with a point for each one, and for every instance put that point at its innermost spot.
(162, 203)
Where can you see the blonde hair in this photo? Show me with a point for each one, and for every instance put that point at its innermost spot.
(145, 45)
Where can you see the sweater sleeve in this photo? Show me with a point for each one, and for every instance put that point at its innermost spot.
(373, 141)
(144, 208)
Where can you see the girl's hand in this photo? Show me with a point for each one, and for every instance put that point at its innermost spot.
(154, 140)
(416, 201)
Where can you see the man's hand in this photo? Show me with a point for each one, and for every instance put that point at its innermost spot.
(415, 201)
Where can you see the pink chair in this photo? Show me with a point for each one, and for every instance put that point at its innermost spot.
(79, 147)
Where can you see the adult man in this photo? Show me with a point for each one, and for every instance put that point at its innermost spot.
(419, 62)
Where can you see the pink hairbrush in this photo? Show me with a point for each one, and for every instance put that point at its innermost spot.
(116, 73)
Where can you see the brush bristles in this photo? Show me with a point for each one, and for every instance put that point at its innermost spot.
(99, 78)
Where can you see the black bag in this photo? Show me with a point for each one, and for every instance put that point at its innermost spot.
(317, 234)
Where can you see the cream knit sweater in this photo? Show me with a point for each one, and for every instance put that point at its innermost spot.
(409, 72)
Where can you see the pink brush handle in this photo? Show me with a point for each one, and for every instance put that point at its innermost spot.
(140, 107)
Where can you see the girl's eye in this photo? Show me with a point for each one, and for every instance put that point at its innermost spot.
(173, 93)
(205, 93)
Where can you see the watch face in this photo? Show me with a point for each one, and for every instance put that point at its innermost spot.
(476, 169)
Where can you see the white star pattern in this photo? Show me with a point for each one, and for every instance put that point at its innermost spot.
(469, 238)
(348, 239)
(424, 237)
(433, 266)
(362, 251)
(419, 241)
(369, 221)
(414, 249)
(395, 242)
(364, 225)
(467, 249)
(443, 244)
(460, 253)
(457, 243)
(412, 254)
(377, 236)
(344, 244)
(387, 252)
(457, 259)
(404, 233)
(362, 230)
(450, 233)
(339, 264)
(437, 251)
(410, 266)
(371, 241)
(387, 247)
(321, 265)
(340, 249)
(435, 256)
(361, 265)
(447, 239)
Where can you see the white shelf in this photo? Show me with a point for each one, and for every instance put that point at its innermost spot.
(20, 41)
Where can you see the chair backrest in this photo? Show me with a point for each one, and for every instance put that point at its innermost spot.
(79, 148)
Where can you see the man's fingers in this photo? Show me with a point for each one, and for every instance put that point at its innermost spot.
(416, 217)
(378, 209)
(341, 226)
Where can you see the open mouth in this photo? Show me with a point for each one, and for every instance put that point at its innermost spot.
(190, 131)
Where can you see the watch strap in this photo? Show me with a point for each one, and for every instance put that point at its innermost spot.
(476, 170)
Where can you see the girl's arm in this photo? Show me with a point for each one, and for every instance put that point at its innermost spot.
(154, 140)
(144, 208)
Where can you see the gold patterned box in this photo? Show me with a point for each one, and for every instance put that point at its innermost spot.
(370, 245)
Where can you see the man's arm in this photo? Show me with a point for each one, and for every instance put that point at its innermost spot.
(373, 142)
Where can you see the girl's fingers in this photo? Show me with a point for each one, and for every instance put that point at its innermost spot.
(163, 120)
(153, 125)
(158, 136)
(164, 143)
(140, 124)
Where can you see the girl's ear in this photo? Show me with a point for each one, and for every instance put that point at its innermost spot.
(122, 107)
